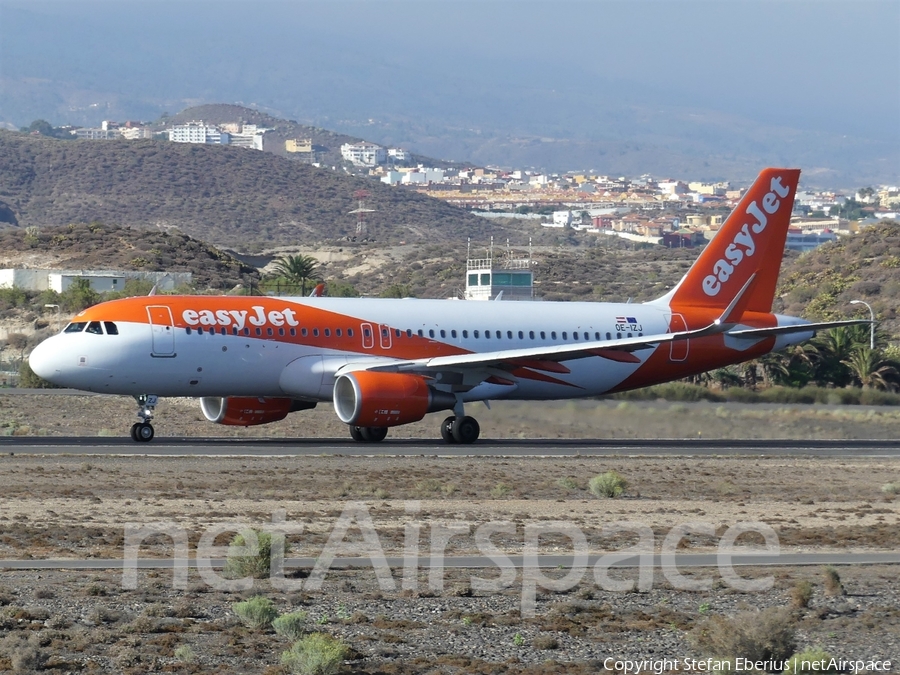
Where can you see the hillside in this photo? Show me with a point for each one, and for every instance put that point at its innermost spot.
(327, 143)
(820, 284)
(225, 195)
(101, 246)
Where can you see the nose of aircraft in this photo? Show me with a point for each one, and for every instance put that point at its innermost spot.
(44, 360)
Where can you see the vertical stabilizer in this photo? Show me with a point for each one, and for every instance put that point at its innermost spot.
(750, 242)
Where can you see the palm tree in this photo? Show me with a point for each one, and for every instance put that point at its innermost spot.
(298, 270)
(872, 370)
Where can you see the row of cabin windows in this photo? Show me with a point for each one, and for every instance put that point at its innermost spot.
(94, 327)
(367, 332)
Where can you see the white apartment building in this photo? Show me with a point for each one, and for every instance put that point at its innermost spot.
(197, 132)
(97, 134)
(399, 154)
(363, 154)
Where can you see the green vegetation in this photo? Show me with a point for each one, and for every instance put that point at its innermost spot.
(256, 613)
(255, 562)
(291, 626)
(295, 272)
(758, 636)
(833, 585)
(801, 594)
(315, 654)
(609, 484)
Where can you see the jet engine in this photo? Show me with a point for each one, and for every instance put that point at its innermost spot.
(245, 411)
(371, 399)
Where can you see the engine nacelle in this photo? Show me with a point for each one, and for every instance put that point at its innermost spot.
(370, 399)
(245, 411)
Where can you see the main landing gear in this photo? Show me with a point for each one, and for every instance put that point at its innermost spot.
(460, 429)
(368, 434)
(142, 432)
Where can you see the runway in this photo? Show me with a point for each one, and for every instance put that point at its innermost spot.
(232, 447)
(680, 560)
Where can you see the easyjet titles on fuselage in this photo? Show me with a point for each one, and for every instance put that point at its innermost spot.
(257, 316)
(743, 244)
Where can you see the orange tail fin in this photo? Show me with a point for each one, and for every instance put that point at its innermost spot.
(750, 242)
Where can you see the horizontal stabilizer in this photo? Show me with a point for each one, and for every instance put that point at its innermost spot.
(756, 333)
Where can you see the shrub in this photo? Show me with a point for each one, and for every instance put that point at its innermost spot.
(890, 488)
(292, 626)
(758, 636)
(609, 484)
(185, 654)
(256, 564)
(802, 662)
(545, 642)
(315, 654)
(567, 483)
(256, 612)
(833, 585)
(801, 594)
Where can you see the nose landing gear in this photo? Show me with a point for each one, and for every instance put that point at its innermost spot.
(142, 432)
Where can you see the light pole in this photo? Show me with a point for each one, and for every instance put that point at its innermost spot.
(57, 315)
(871, 323)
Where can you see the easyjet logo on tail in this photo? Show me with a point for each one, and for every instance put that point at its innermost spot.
(744, 245)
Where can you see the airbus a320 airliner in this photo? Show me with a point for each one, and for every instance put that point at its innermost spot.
(383, 363)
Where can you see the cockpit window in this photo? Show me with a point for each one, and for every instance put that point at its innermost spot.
(94, 327)
(75, 327)
(111, 328)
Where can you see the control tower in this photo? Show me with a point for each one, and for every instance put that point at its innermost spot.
(508, 277)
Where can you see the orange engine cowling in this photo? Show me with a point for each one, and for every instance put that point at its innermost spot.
(245, 411)
(369, 399)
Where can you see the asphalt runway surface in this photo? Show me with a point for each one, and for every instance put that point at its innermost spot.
(222, 447)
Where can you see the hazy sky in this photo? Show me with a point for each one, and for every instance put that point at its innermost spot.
(560, 68)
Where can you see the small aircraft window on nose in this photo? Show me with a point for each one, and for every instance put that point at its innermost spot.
(111, 328)
(75, 327)
(95, 328)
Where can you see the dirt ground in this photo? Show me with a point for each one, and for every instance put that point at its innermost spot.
(79, 507)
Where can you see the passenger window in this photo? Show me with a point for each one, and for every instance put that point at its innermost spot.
(630, 335)
(223, 330)
(531, 335)
(587, 336)
(420, 333)
(608, 336)
(111, 328)
(521, 335)
(338, 332)
(304, 332)
(234, 330)
(543, 335)
(465, 333)
(269, 332)
(487, 334)
(349, 332)
(431, 333)
(316, 332)
(281, 331)
(187, 330)
(366, 332)
(474, 333)
(443, 333)
(499, 335)
(293, 332)
(327, 332)
(259, 331)
(453, 333)
(95, 328)
(200, 330)
(76, 327)
(618, 336)
(574, 335)
(398, 332)
(553, 335)
(409, 332)
(565, 335)
(246, 331)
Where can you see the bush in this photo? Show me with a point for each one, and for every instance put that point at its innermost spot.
(315, 654)
(801, 594)
(256, 612)
(890, 488)
(609, 484)
(256, 564)
(758, 636)
(292, 626)
(185, 654)
(833, 585)
(809, 656)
